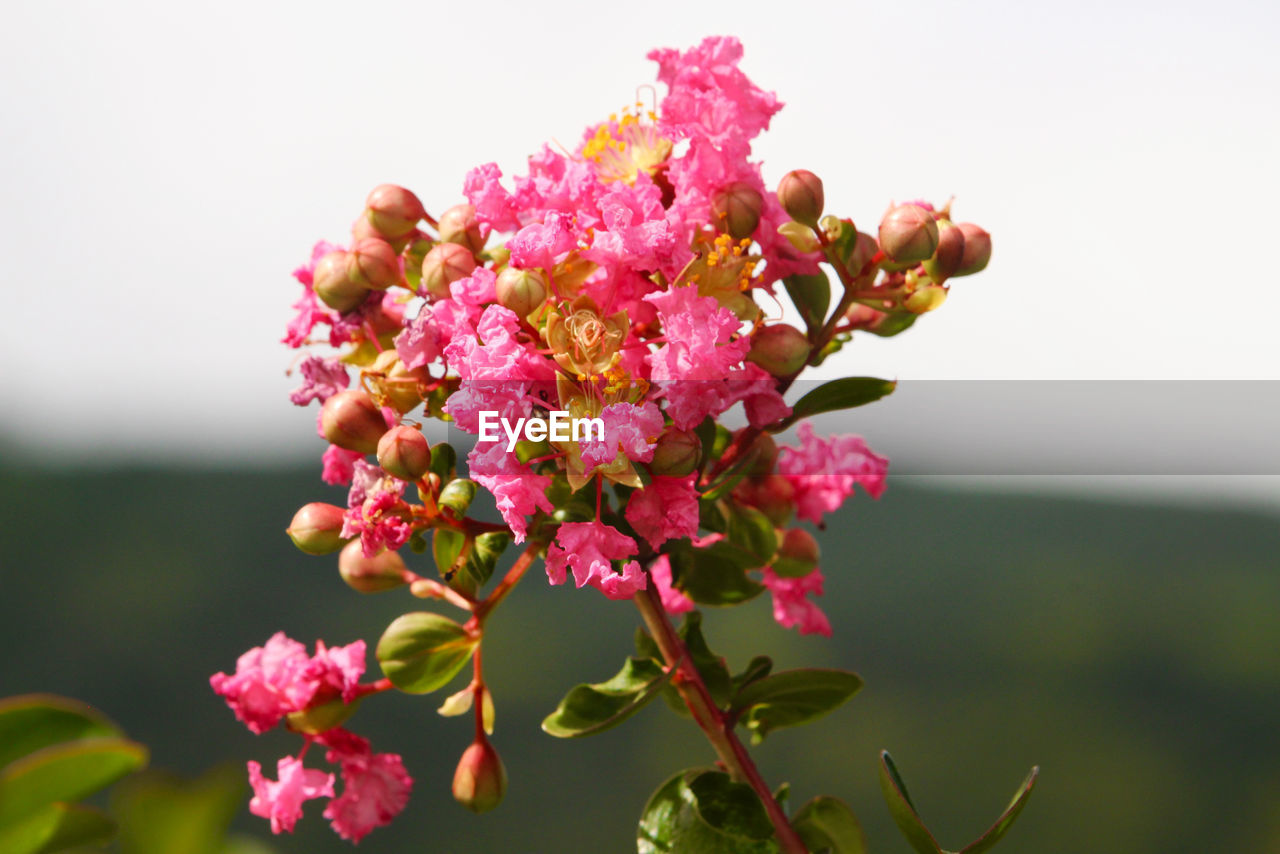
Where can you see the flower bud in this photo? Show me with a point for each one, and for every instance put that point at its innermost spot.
(908, 234)
(764, 451)
(800, 236)
(481, 779)
(797, 554)
(317, 528)
(445, 263)
(735, 209)
(773, 495)
(800, 193)
(950, 252)
(522, 291)
(321, 718)
(373, 263)
(780, 349)
(393, 210)
(459, 225)
(404, 452)
(925, 299)
(332, 285)
(383, 571)
(676, 454)
(864, 249)
(977, 250)
(350, 419)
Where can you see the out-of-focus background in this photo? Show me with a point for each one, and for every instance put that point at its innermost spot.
(1080, 570)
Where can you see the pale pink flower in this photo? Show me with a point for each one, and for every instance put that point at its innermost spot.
(666, 509)
(494, 206)
(588, 549)
(422, 341)
(281, 800)
(339, 464)
(321, 380)
(792, 607)
(823, 472)
(542, 244)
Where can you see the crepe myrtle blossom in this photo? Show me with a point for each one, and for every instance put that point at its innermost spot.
(595, 320)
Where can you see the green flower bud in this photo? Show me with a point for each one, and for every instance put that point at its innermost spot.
(393, 210)
(797, 554)
(925, 299)
(522, 291)
(383, 571)
(332, 285)
(321, 718)
(780, 349)
(404, 452)
(317, 528)
(950, 252)
(800, 193)
(444, 264)
(977, 250)
(735, 209)
(481, 779)
(801, 236)
(908, 234)
(459, 225)
(373, 263)
(350, 419)
(677, 453)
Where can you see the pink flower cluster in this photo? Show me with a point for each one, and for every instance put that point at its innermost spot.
(278, 680)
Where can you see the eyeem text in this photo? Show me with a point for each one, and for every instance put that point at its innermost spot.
(557, 427)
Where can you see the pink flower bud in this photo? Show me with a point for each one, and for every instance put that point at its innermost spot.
(350, 419)
(317, 528)
(333, 286)
(977, 250)
(393, 210)
(404, 452)
(383, 571)
(676, 454)
(908, 234)
(925, 299)
(522, 291)
(950, 252)
(374, 264)
(459, 225)
(780, 349)
(481, 779)
(773, 495)
(800, 193)
(797, 554)
(735, 209)
(445, 263)
(765, 451)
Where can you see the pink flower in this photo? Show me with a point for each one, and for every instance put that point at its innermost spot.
(338, 669)
(321, 380)
(310, 311)
(636, 232)
(629, 430)
(673, 600)
(339, 464)
(791, 605)
(476, 289)
(281, 801)
(270, 681)
(422, 340)
(588, 549)
(541, 244)
(371, 504)
(375, 786)
(823, 472)
(494, 206)
(518, 492)
(667, 509)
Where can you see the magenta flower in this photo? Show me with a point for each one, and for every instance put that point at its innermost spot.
(518, 491)
(667, 509)
(588, 549)
(673, 600)
(792, 607)
(375, 786)
(823, 472)
(270, 681)
(281, 800)
(339, 465)
(630, 431)
(321, 380)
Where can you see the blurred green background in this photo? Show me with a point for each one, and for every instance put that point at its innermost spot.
(1132, 652)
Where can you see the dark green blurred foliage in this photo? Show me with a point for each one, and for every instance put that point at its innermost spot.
(1132, 652)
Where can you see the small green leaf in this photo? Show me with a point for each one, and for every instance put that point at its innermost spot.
(844, 393)
(33, 721)
(894, 324)
(420, 652)
(703, 812)
(589, 709)
(711, 667)
(484, 555)
(996, 832)
(56, 827)
(711, 516)
(793, 697)
(903, 811)
(812, 297)
(757, 669)
(457, 495)
(751, 531)
(715, 575)
(65, 772)
(444, 459)
(446, 545)
(826, 824)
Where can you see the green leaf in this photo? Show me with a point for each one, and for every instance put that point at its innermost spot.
(996, 832)
(484, 556)
(65, 772)
(588, 709)
(457, 495)
(812, 297)
(715, 575)
(446, 545)
(711, 516)
(894, 324)
(903, 811)
(703, 812)
(793, 697)
(34, 721)
(711, 667)
(56, 827)
(844, 393)
(444, 459)
(751, 531)
(163, 814)
(758, 668)
(825, 824)
(420, 652)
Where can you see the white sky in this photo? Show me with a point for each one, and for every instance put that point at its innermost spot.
(164, 166)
